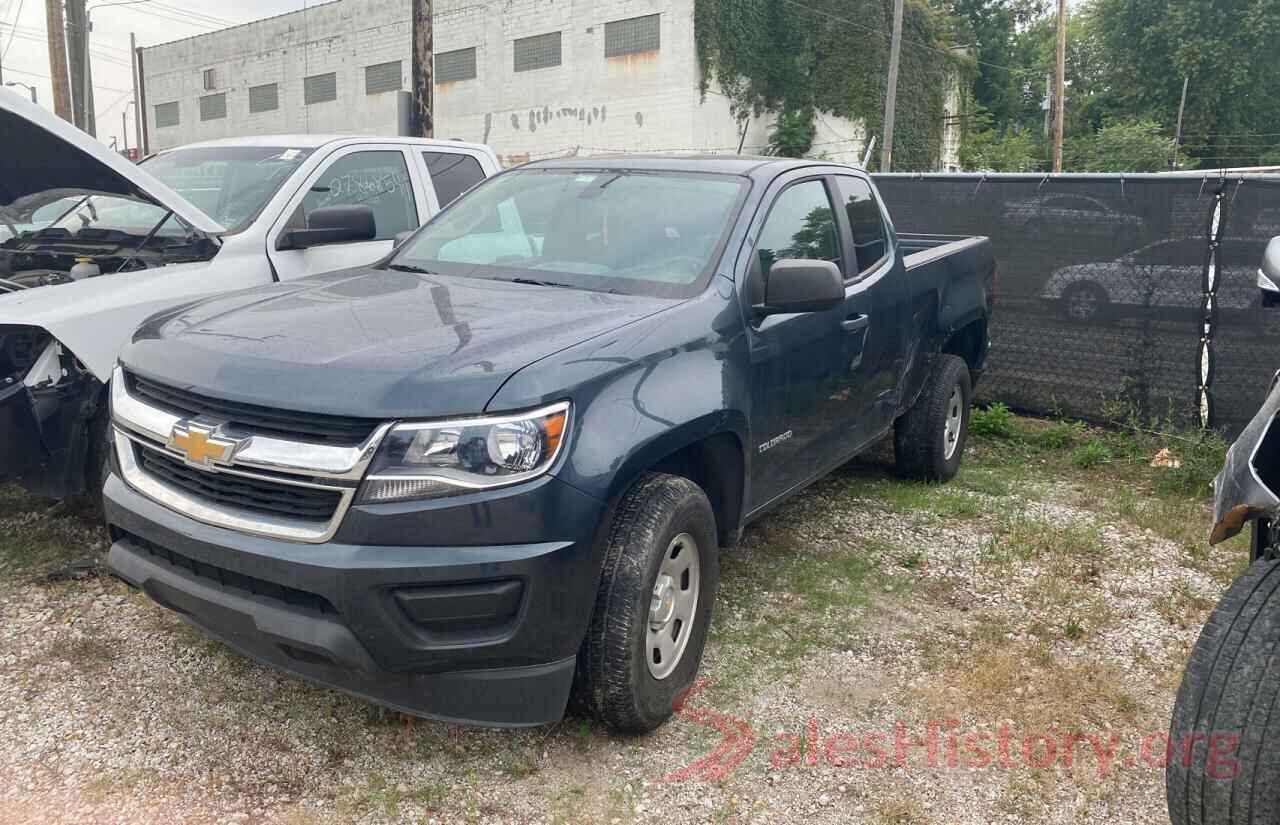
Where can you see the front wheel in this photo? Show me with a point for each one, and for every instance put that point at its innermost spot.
(653, 608)
(929, 438)
(1224, 738)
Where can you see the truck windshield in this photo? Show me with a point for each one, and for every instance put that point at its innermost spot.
(230, 184)
(652, 233)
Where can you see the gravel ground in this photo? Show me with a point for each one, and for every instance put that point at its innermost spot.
(1009, 604)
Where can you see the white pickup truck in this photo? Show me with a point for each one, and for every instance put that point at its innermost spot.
(90, 245)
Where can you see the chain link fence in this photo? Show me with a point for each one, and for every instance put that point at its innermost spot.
(1119, 295)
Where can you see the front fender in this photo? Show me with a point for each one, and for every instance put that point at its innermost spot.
(1246, 486)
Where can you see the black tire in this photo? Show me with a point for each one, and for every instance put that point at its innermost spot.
(1085, 302)
(613, 681)
(919, 436)
(1228, 694)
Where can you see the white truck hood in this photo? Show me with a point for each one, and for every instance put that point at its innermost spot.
(45, 157)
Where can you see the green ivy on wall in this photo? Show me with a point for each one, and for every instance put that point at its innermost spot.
(799, 57)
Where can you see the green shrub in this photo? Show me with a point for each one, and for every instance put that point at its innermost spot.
(1092, 453)
(996, 421)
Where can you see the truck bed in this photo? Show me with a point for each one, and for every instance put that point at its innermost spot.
(922, 249)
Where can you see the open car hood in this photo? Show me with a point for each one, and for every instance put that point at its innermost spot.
(46, 156)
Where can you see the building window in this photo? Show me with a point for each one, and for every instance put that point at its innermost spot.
(541, 51)
(320, 88)
(210, 80)
(456, 65)
(265, 98)
(213, 107)
(452, 173)
(637, 34)
(382, 77)
(166, 114)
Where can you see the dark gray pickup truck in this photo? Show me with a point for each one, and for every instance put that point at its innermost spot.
(492, 473)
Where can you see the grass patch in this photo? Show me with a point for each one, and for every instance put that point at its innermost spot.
(1093, 453)
(943, 501)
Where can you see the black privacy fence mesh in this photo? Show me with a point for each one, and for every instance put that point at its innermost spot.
(1118, 296)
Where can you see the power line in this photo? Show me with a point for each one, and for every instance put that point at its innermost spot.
(5, 52)
(46, 77)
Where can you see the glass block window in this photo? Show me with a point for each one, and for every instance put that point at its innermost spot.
(166, 114)
(265, 98)
(320, 88)
(382, 77)
(213, 107)
(542, 51)
(456, 65)
(637, 34)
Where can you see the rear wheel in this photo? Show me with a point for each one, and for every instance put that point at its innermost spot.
(929, 439)
(1224, 738)
(653, 608)
(1085, 301)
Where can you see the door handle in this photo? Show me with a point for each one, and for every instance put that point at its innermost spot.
(855, 322)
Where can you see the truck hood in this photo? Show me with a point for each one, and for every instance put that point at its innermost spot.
(94, 317)
(372, 343)
(46, 158)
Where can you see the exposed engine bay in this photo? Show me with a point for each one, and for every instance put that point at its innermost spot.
(83, 235)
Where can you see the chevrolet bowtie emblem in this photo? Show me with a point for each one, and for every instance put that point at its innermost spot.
(201, 444)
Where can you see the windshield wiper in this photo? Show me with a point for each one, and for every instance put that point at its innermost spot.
(409, 268)
(535, 282)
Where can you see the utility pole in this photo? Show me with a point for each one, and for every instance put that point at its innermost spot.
(1177, 135)
(423, 121)
(75, 55)
(137, 97)
(56, 32)
(891, 94)
(15, 22)
(124, 130)
(1060, 86)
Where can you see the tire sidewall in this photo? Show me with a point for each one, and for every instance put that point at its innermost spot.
(656, 697)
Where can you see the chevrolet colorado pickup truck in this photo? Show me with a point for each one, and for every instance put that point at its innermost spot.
(91, 245)
(493, 472)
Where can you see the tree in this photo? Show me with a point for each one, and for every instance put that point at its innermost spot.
(1228, 50)
(1121, 146)
(793, 134)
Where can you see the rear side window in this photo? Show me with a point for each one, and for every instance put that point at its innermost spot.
(870, 242)
(800, 225)
(452, 174)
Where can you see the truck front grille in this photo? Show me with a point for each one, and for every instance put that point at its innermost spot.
(256, 494)
(288, 424)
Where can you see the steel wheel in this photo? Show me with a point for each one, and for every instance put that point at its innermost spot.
(671, 608)
(954, 421)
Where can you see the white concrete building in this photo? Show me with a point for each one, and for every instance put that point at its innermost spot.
(532, 78)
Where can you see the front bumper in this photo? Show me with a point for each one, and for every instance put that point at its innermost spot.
(484, 634)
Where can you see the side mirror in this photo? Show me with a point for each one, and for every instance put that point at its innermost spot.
(330, 225)
(797, 285)
(1269, 274)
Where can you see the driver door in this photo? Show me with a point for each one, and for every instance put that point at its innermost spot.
(383, 178)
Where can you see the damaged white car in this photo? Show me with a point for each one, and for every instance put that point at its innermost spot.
(91, 245)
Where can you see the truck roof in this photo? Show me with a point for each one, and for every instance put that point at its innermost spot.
(745, 165)
(316, 141)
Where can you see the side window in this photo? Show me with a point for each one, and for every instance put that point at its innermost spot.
(800, 225)
(379, 180)
(865, 222)
(452, 174)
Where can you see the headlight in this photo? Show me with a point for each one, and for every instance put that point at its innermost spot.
(440, 458)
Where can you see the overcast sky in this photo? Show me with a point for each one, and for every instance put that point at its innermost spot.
(24, 53)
